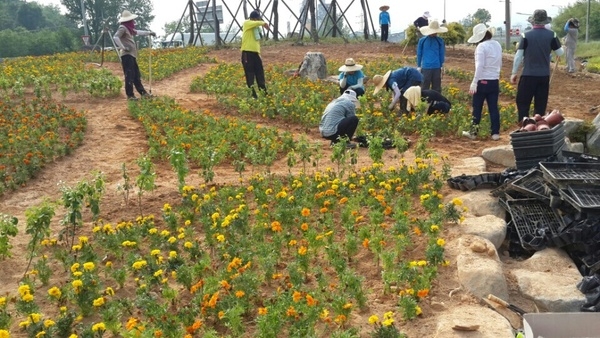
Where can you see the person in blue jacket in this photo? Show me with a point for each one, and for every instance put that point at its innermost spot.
(398, 81)
(384, 22)
(431, 54)
(351, 77)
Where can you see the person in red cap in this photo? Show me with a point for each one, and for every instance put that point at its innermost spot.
(253, 66)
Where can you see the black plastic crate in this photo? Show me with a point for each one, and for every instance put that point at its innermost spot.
(536, 223)
(536, 141)
(536, 151)
(563, 173)
(586, 195)
(532, 184)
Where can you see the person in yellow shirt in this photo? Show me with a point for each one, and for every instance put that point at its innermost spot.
(253, 66)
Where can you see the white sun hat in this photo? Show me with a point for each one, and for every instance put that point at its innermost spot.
(127, 16)
(433, 28)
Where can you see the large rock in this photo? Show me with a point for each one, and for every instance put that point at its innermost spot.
(572, 124)
(489, 323)
(479, 268)
(490, 227)
(481, 203)
(550, 278)
(314, 66)
(469, 166)
(503, 155)
(593, 142)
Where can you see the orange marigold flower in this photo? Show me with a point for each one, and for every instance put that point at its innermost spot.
(302, 250)
(305, 212)
(221, 314)
(365, 243)
(323, 210)
(310, 300)
(304, 226)
(225, 285)
(417, 231)
(276, 226)
(297, 296)
(212, 303)
(340, 319)
(262, 311)
(239, 294)
(422, 293)
(291, 312)
(343, 200)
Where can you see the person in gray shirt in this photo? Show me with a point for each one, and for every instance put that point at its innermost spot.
(534, 52)
(339, 119)
(572, 30)
(124, 40)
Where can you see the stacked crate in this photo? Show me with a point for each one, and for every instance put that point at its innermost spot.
(532, 147)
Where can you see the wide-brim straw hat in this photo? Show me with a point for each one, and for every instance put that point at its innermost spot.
(479, 33)
(433, 28)
(127, 16)
(384, 8)
(380, 81)
(350, 66)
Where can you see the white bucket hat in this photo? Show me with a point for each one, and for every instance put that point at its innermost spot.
(427, 15)
(433, 28)
(479, 33)
(127, 16)
(350, 66)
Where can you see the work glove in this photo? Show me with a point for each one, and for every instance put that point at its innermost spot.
(473, 88)
(419, 69)
(152, 34)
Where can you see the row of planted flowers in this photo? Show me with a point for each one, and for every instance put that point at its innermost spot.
(270, 256)
(300, 100)
(78, 71)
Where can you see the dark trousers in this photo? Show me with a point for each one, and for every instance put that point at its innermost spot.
(132, 75)
(432, 79)
(253, 68)
(488, 91)
(536, 88)
(345, 128)
(358, 91)
(384, 32)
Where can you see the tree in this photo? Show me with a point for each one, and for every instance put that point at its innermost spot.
(482, 16)
(30, 16)
(578, 10)
(456, 34)
(172, 27)
(106, 13)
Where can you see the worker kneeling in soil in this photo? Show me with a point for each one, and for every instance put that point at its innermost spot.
(436, 102)
(339, 120)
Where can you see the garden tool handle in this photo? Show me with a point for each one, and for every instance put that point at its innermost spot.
(498, 300)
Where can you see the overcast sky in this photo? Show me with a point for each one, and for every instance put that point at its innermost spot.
(401, 15)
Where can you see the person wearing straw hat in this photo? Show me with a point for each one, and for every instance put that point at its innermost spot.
(431, 54)
(422, 21)
(351, 77)
(339, 120)
(572, 30)
(436, 102)
(124, 40)
(398, 81)
(486, 80)
(251, 60)
(534, 51)
(384, 22)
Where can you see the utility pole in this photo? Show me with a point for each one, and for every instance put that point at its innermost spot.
(507, 23)
(587, 22)
(85, 27)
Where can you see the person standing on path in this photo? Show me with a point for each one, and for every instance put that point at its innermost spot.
(253, 66)
(431, 53)
(124, 40)
(486, 80)
(534, 52)
(421, 21)
(572, 30)
(384, 22)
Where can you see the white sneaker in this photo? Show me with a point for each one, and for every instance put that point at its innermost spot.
(469, 135)
(495, 137)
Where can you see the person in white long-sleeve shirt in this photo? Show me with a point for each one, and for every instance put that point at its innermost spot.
(124, 40)
(485, 86)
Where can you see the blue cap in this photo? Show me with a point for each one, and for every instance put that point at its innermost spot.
(255, 15)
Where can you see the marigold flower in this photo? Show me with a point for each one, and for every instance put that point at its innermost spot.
(296, 296)
(2, 301)
(4, 334)
(304, 226)
(365, 243)
(172, 254)
(88, 266)
(302, 250)
(35, 317)
(388, 322)
(305, 212)
(24, 289)
(291, 312)
(276, 226)
(347, 306)
(98, 302)
(373, 320)
(422, 293)
(440, 242)
(263, 311)
(340, 319)
(418, 310)
(239, 294)
(311, 301)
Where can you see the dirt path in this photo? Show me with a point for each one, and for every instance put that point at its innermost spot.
(114, 138)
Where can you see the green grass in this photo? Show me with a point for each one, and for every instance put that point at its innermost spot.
(590, 51)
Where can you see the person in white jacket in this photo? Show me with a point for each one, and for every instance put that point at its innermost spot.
(124, 40)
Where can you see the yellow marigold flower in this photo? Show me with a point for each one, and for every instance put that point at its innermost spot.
(131, 323)
(302, 250)
(388, 315)
(35, 317)
(167, 207)
(4, 334)
(165, 233)
(221, 314)
(388, 322)
(109, 291)
(263, 311)
(24, 289)
(99, 327)
(434, 228)
(77, 283)
(98, 302)
(2, 301)
(108, 264)
(239, 294)
(155, 252)
(27, 297)
(373, 320)
(158, 273)
(188, 245)
(73, 335)
(347, 306)
(324, 314)
(441, 242)
(220, 238)
(172, 254)
(40, 334)
(24, 324)
(153, 231)
(88, 266)
(418, 309)
(457, 201)
(172, 240)
(76, 247)
(139, 264)
(77, 274)
(63, 309)
(422, 263)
